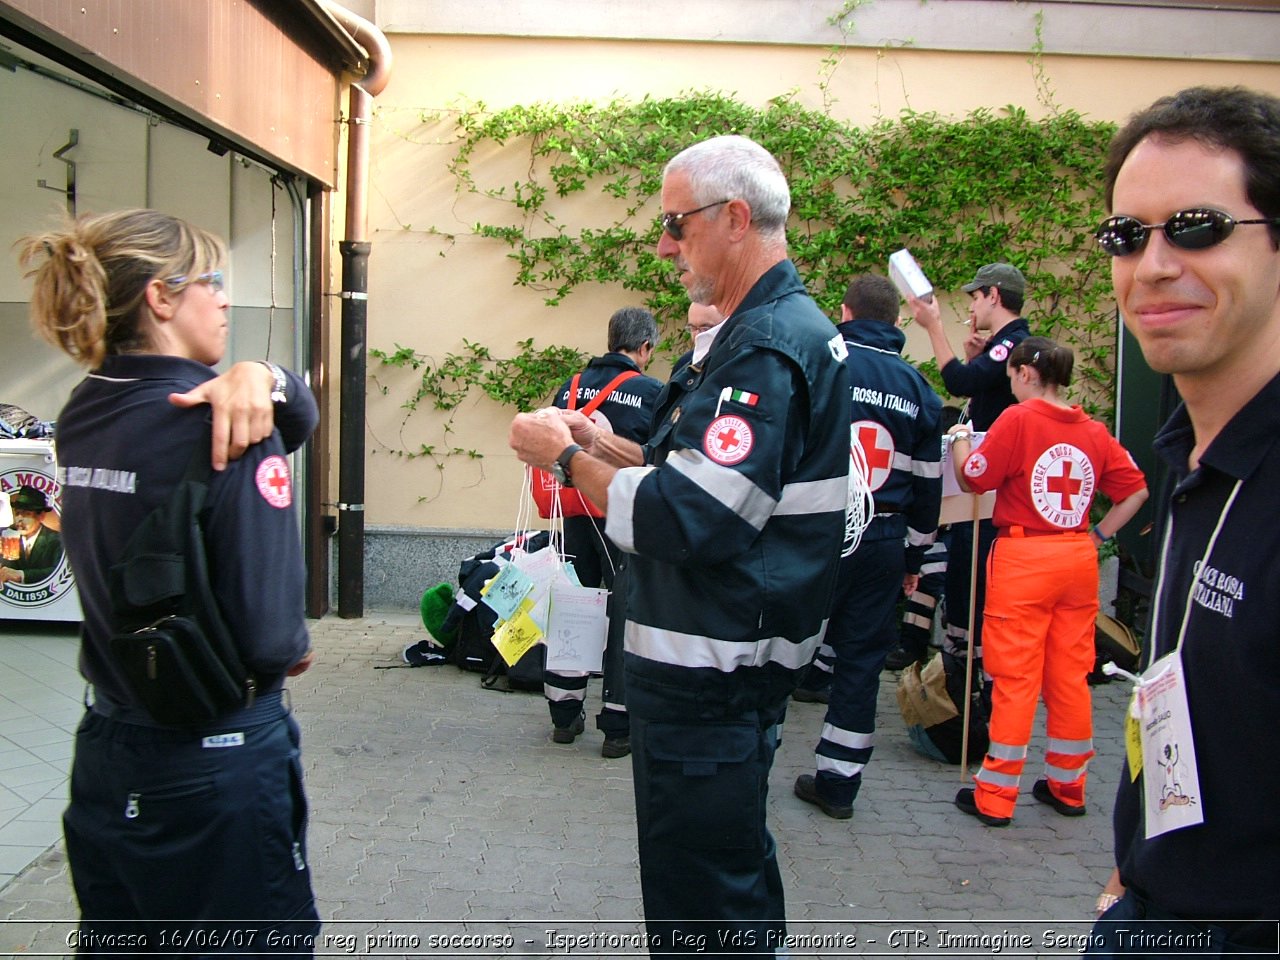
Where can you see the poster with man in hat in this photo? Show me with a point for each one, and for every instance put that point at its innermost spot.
(35, 552)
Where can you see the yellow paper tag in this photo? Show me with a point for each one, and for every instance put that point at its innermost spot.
(1133, 744)
(515, 636)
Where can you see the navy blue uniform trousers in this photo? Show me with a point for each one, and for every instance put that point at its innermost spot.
(204, 827)
(861, 635)
(708, 865)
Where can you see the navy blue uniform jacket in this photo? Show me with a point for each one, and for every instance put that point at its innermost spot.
(122, 447)
(736, 523)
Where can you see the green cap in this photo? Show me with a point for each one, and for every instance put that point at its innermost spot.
(1003, 275)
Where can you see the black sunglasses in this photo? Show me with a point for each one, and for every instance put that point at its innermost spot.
(1195, 229)
(672, 222)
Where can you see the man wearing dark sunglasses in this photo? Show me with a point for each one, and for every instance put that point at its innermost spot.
(1193, 183)
(734, 514)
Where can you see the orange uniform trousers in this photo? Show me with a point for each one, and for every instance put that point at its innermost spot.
(1038, 639)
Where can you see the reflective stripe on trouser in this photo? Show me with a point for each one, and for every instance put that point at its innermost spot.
(818, 676)
(959, 564)
(917, 621)
(565, 693)
(861, 633)
(1038, 641)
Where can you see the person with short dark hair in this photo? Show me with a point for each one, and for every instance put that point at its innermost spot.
(1047, 460)
(1193, 189)
(625, 411)
(896, 476)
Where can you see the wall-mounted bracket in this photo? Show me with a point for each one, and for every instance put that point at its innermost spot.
(70, 191)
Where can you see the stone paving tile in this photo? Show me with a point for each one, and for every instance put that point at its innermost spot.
(433, 799)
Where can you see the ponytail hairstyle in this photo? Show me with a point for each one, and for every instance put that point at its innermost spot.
(1051, 361)
(91, 277)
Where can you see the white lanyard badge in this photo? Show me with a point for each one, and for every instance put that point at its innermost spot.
(1158, 734)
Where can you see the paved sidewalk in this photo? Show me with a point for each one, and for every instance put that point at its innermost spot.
(433, 799)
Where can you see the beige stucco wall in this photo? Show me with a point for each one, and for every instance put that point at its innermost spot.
(432, 285)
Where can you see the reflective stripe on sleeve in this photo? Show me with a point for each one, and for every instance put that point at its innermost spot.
(917, 539)
(729, 488)
(928, 469)
(814, 496)
(622, 501)
(691, 650)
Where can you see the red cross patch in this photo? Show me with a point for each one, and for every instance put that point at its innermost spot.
(1062, 485)
(728, 440)
(999, 353)
(877, 448)
(272, 478)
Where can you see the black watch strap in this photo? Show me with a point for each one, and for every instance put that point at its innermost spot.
(563, 460)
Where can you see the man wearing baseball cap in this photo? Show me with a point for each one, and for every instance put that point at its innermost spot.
(39, 547)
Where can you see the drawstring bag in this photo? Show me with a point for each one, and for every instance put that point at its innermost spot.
(552, 499)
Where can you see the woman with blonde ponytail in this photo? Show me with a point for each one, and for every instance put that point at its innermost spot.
(175, 832)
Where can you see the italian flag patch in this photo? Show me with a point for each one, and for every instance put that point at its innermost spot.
(742, 396)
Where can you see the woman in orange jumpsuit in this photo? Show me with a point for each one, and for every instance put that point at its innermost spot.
(1046, 460)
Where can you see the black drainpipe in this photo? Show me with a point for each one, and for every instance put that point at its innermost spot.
(355, 310)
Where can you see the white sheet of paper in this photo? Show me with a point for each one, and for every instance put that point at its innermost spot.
(1170, 778)
(577, 629)
(957, 506)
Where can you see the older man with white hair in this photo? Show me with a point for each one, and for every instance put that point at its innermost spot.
(734, 513)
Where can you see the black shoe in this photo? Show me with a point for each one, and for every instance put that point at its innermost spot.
(807, 790)
(811, 696)
(1042, 793)
(900, 658)
(966, 802)
(614, 747)
(570, 733)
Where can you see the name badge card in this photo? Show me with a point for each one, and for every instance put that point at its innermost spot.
(578, 627)
(505, 591)
(1172, 783)
(516, 635)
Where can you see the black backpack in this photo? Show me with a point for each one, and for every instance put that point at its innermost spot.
(475, 622)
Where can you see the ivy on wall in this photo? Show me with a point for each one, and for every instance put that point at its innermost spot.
(992, 186)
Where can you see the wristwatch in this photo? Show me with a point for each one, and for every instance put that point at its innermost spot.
(560, 469)
(277, 388)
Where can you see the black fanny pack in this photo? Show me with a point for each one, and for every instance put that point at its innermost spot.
(170, 641)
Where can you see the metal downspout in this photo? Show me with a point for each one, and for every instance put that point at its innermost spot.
(355, 301)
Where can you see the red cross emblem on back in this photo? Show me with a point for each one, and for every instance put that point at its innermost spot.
(1065, 486)
(877, 449)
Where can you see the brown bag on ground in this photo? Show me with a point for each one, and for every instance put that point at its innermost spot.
(922, 694)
